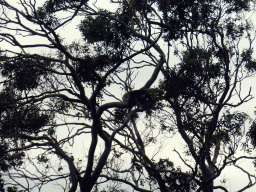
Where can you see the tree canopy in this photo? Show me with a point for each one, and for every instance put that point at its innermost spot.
(181, 66)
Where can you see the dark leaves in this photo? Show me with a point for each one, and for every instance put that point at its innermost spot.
(9, 159)
(23, 119)
(252, 133)
(103, 29)
(24, 73)
(190, 78)
(231, 124)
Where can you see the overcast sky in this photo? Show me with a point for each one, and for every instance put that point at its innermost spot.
(234, 179)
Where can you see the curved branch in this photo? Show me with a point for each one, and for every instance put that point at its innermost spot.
(220, 187)
(126, 182)
(63, 155)
(148, 40)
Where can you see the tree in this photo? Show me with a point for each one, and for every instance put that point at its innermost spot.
(52, 103)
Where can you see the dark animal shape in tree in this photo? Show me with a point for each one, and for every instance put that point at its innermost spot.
(137, 97)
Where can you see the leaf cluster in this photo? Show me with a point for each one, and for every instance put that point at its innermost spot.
(23, 119)
(250, 62)
(190, 77)
(230, 125)
(47, 12)
(90, 64)
(9, 159)
(23, 72)
(175, 180)
(252, 133)
(186, 15)
(105, 30)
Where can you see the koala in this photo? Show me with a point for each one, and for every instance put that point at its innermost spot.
(141, 97)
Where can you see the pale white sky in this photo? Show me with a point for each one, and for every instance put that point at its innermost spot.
(234, 179)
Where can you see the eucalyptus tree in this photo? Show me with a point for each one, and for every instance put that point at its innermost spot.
(62, 117)
(66, 91)
(213, 43)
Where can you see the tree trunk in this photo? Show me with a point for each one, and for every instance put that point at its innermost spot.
(86, 186)
(208, 174)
